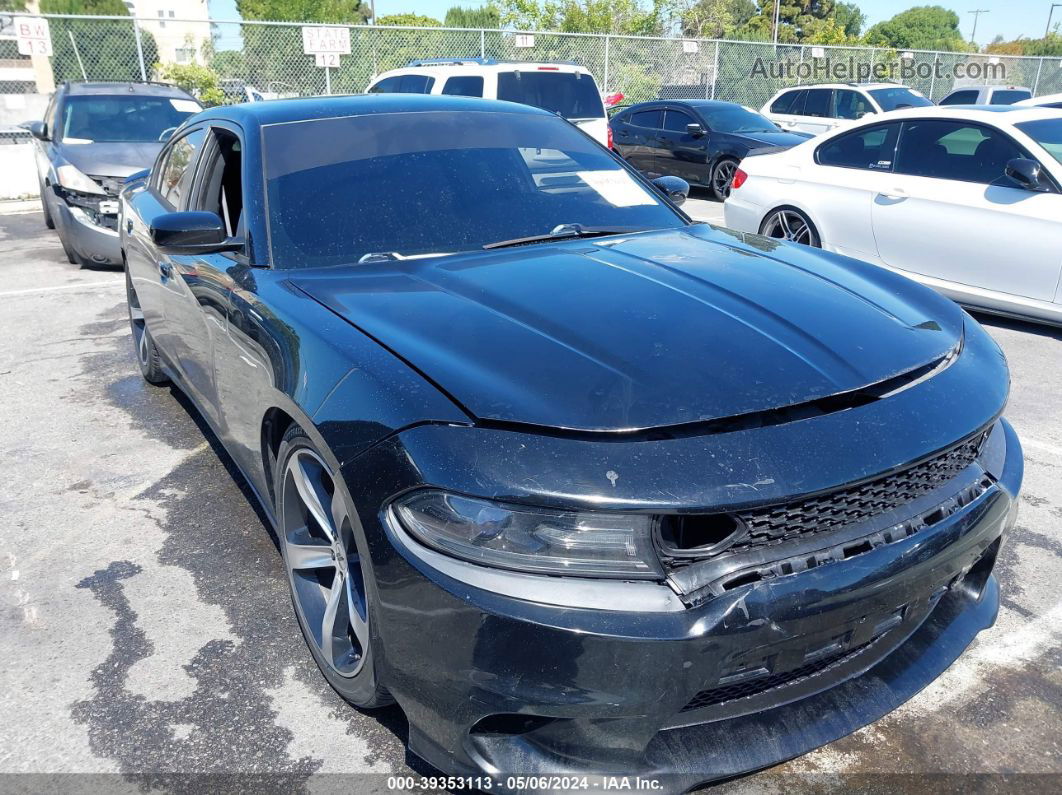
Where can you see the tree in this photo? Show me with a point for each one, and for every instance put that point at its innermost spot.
(582, 16)
(107, 47)
(920, 28)
(199, 81)
(850, 19)
(409, 20)
(486, 17)
(1050, 46)
(352, 12)
(714, 19)
(798, 21)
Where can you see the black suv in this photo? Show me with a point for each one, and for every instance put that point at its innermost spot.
(93, 136)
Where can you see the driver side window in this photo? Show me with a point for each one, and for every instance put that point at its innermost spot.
(221, 187)
(178, 167)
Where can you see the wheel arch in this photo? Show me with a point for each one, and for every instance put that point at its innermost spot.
(800, 208)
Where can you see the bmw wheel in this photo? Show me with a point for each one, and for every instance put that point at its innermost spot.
(147, 355)
(788, 223)
(722, 176)
(327, 571)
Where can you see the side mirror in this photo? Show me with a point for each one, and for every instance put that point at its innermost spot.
(1026, 173)
(695, 130)
(675, 188)
(39, 130)
(192, 232)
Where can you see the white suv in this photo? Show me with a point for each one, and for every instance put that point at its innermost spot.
(817, 109)
(565, 89)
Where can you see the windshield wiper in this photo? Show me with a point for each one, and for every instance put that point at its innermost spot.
(565, 232)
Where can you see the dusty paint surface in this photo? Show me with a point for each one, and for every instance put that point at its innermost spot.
(147, 630)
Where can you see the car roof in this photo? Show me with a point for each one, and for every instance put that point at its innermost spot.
(699, 104)
(252, 115)
(1005, 114)
(983, 86)
(864, 86)
(480, 66)
(94, 87)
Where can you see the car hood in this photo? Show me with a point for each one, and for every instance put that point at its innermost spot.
(111, 159)
(655, 329)
(776, 138)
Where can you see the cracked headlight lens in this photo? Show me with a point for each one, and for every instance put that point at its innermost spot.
(72, 179)
(536, 540)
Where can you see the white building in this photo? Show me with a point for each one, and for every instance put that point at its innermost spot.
(180, 27)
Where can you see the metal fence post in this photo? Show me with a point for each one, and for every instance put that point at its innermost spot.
(328, 80)
(1039, 68)
(933, 75)
(139, 49)
(483, 44)
(608, 41)
(715, 69)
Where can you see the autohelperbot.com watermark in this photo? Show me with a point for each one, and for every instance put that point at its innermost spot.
(851, 69)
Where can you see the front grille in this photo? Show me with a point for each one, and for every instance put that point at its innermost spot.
(754, 687)
(777, 523)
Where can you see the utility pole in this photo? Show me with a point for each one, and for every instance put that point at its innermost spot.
(777, 8)
(977, 15)
(1047, 30)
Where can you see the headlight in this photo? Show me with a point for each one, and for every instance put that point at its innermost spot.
(538, 540)
(72, 179)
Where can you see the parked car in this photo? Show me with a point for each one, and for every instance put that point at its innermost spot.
(699, 140)
(1046, 101)
(966, 200)
(93, 135)
(820, 108)
(582, 485)
(565, 89)
(986, 95)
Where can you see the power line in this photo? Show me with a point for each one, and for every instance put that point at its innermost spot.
(977, 15)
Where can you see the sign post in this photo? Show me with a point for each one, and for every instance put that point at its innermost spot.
(326, 44)
(34, 36)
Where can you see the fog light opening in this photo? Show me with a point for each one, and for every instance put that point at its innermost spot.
(973, 584)
(699, 536)
(509, 724)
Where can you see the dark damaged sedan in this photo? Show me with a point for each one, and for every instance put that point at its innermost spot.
(585, 487)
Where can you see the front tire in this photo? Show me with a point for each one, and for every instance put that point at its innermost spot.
(147, 355)
(789, 223)
(328, 572)
(722, 176)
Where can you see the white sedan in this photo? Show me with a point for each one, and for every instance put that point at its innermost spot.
(966, 200)
(1046, 101)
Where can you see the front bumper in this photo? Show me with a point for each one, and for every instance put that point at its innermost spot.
(500, 685)
(91, 241)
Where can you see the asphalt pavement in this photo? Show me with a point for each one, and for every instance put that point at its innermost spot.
(147, 632)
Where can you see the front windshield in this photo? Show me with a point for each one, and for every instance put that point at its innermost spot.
(737, 120)
(899, 97)
(100, 118)
(1047, 133)
(396, 185)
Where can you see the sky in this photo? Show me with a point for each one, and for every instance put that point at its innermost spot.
(1008, 18)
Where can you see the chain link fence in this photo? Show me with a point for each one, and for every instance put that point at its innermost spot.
(268, 59)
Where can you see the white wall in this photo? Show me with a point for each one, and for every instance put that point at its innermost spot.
(20, 173)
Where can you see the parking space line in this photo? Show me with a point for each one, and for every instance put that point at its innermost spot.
(86, 285)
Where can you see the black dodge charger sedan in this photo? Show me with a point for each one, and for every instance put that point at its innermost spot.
(700, 140)
(585, 487)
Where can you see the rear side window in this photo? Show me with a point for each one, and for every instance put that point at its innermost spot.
(572, 95)
(653, 119)
(464, 86)
(1008, 97)
(404, 84)
(870, 148)
(784, 103)
(177, 172)
(676, 120)
(961, 98)
(817, 103)
(850, 105)
(954, 150)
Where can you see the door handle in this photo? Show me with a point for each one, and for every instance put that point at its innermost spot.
(895, 193)
(129, 225)
(165, 270)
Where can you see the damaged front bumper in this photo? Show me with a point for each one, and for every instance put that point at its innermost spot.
(90, 225)
(687, 688)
